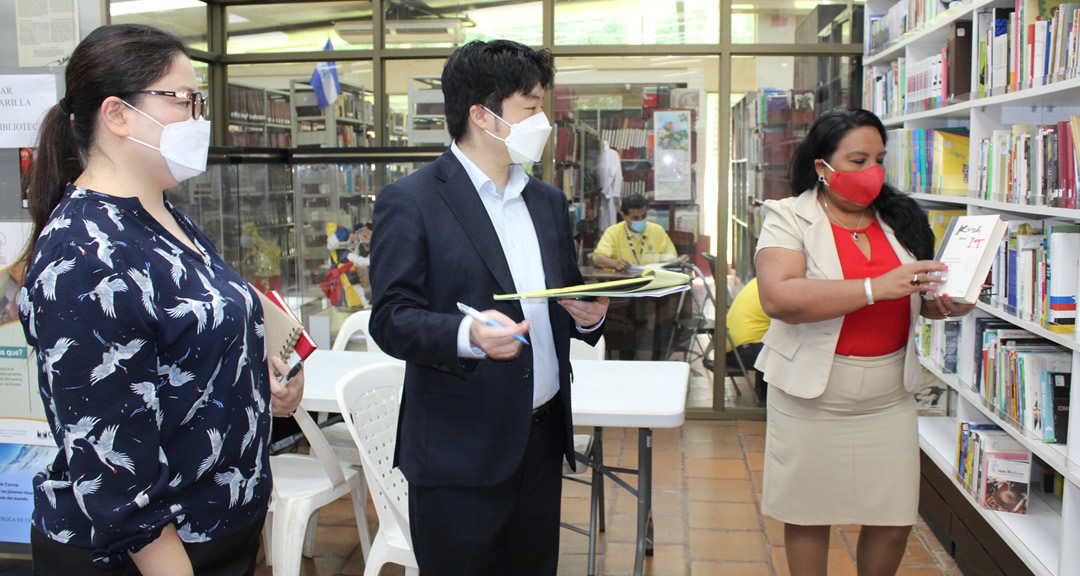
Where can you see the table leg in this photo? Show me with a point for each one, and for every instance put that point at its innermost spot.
(597, 433)
(644, 519)
(596, 496)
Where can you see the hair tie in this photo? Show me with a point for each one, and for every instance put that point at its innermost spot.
(64, 106)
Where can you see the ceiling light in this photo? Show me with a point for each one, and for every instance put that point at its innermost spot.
(144, 6)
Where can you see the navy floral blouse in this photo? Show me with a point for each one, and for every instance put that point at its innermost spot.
(152, 369)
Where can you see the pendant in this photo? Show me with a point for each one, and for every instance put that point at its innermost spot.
(855, 236)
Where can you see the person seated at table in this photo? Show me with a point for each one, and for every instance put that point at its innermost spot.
(747, 324)
(635, 241)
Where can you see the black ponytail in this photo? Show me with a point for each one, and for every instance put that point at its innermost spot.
(113, 60)
(898, 210)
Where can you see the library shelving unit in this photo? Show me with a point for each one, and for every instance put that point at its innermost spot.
(426, 121)
(1045, 538)
(348, 123)
(259, 118)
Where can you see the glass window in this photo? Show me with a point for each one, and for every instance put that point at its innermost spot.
(774, 101)
(448, 23)
(275, 105)
(415, 103)
(798, 21)
(184, 18)
(620, 22)
(298, 27)
(202, 81)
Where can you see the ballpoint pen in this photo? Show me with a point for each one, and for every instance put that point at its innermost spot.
(480, 317)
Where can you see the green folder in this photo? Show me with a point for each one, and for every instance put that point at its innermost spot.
(652, 282)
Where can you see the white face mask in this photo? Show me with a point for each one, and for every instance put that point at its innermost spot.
(184, 145)
(527, 138)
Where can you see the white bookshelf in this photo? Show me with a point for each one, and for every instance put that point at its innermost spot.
(1045, 538)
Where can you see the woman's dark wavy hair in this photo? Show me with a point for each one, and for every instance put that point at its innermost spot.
(113, 60)
(899, 211)
(487, 73)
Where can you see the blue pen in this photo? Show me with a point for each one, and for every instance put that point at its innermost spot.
(479, 317)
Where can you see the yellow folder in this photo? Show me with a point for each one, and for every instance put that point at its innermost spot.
(652, 282)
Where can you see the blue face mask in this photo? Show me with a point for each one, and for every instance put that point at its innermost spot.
(638, 225)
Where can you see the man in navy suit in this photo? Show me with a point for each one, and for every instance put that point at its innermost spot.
(485, 420)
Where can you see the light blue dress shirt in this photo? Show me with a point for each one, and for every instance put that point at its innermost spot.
(514, 226)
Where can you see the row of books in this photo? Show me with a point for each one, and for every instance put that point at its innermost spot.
(627, 136)
(348, 136)
(350, 104)
(1032, 165)
(278, 111)
(566, 144)
(247, 104)
(934, 161)
(258, 137)
(1035, 274)
(1031, 44)
(938, 342)
(993, 467)
(903, 17)
(1021, 377)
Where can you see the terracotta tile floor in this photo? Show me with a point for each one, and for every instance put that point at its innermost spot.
(706, 501)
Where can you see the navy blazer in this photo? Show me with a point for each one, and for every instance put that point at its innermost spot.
(463, 422)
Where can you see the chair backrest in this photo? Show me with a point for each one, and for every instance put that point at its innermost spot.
(320, 447)
(580, 350)
(369, 399)
(356, 322)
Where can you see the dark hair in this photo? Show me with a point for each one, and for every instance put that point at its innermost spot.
(113, 60)
(487, 73)
(633, 202)
(899, 211)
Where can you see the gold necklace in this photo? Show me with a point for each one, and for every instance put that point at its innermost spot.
(854, 233)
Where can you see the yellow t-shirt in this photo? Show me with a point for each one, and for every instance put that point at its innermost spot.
(746, 321)
(657, 245)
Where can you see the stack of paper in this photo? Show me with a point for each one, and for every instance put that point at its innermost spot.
(652, 282)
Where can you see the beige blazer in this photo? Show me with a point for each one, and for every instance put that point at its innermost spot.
(797, 358)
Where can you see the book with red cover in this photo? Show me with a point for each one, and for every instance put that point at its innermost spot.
(284, 332)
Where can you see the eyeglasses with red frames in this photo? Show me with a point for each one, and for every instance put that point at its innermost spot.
(198, 102)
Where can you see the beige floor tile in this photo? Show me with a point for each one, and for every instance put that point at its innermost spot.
(708, 490)
(667, 479)
(669, 529)
(575, 511)
(779, 561)
(755, 460)
(336, 540)
(667, 561)
(714, 450)
(774, 531)
(841, 563)
(916, 554)
(757, 477)
(904, 571)
(728, 546)
(701, 431)
(703, 568)
(669, 504)
(751, 428)
(724, 516)
(576, 490)
(667, 460)
(717, 469)
(753, 443)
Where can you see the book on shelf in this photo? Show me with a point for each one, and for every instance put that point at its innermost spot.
(938, 341)
(1056, 391)
(1035, 275)
(1004, 473)
(1029, 165)
(968, 250)
(965, 472)
(939, 222)
(932, 161)
(932, 397)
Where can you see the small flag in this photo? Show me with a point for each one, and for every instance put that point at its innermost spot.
(325, 81)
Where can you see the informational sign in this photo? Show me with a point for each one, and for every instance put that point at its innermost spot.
(24, 99)
(672, 176)
(19, 464)
(47, 31)
(22, 416)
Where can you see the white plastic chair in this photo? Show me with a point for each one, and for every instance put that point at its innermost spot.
(369, 399)
(303, 483)
(580, 350)
(337, 434)
(356, 322)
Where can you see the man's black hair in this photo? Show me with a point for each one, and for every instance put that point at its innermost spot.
(487, 73)
(634, 202)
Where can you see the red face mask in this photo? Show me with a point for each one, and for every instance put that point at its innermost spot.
(861, 187)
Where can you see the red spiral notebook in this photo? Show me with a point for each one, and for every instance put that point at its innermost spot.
(284, 332)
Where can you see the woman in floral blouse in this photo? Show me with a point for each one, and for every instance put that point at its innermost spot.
(151, 360)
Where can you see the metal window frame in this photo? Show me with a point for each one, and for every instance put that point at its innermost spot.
(218, 60)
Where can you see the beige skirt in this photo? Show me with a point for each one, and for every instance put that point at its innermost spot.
(850, 456)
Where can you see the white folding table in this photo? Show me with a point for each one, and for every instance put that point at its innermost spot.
(606, 393)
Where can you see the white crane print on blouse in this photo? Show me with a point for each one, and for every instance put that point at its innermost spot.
(105, 292)
(113, 355)
(146, 287)
(105, 245)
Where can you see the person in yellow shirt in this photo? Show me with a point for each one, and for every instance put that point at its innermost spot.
(635, 241)
(747, 324)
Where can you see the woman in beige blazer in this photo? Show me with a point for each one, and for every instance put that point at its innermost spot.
(842, 444)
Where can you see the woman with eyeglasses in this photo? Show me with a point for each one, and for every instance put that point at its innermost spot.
(151, 361)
